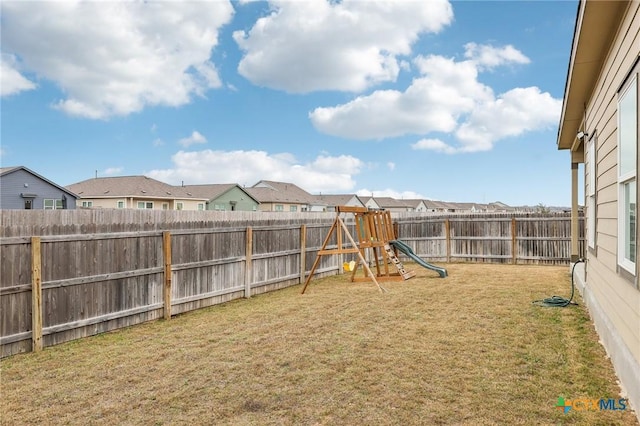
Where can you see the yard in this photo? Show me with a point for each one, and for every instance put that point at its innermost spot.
(468, 349)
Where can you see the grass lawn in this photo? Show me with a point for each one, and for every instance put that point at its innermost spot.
(468, 349)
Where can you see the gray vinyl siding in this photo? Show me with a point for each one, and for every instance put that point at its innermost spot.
(20, 181)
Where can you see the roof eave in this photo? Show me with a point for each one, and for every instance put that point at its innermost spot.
(596, 24)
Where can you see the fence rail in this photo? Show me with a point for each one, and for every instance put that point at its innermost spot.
(67, 275)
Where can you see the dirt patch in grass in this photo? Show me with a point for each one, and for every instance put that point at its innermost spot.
(469, 349)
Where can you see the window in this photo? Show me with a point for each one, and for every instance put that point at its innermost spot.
(179, 205)
(121, 204)
(165, 206)
(145, 205)
(627, 142)
(591, 191)
(293, 208)
(201, 206)
(51, 204)
(87, 204)
(219, 207)
(279, 208)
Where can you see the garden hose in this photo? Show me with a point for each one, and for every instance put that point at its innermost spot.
(558, 301)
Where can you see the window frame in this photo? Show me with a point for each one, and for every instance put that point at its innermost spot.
(627, 209)
(592, 146)
(146, 205)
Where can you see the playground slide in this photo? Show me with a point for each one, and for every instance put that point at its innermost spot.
(409, 252)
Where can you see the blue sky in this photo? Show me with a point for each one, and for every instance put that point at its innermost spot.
(453, 101)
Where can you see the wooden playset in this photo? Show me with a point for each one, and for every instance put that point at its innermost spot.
(375, 232)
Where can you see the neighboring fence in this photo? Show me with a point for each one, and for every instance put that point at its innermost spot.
(71, 274)
(496, 238)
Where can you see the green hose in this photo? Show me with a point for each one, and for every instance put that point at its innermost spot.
(558, 301)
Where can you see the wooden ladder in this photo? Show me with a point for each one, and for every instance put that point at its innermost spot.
(394, 259)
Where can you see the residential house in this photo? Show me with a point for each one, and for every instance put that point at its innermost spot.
(437, 206)
(416, 205)
(135, 192)
(282, 197)
(224, 197)
(499, 207)
(22, 188)
(599, 128)
(331, 201)
(370, 203)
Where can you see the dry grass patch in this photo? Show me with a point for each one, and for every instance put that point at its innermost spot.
(468, 349)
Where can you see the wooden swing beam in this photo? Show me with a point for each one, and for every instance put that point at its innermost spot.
(375, 231)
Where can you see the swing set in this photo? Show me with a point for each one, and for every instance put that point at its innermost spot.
(375, 232)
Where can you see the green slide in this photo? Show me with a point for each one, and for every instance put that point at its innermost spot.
(407, 250)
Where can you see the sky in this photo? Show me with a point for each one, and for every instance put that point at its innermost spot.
(453, 101)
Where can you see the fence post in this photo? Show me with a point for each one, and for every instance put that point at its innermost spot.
(166, 293)
(247, 263)
(303, 253)
(36, 295)
(447, 231)
(514, 245)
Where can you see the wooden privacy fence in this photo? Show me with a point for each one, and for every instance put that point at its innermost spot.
(56, 287)
(497, 238)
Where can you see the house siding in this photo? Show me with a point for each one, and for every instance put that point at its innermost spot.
(12, 185)
(243, 202)
(612, 297)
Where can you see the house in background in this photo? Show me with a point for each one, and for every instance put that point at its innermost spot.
(370, 203)
(224, 197)
(331, 201)
(24, 189)
(415, 205)
(393, 205)
(599, 127)
(282, 197)
(437, 206)
(135, 192)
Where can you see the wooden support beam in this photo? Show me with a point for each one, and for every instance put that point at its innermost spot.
(36, 295)
(166, 289)
(514, 242)
(447, 232)
(303, 252)
(247, 263)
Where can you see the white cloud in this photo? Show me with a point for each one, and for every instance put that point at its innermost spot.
(115, 58)
(324, 174)
(195, 138)
(434, 145)
(449, 98)
(391, 166)
(111, 171)
(511, 114)
(304, 46)
(487, 56)
(11, 81)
